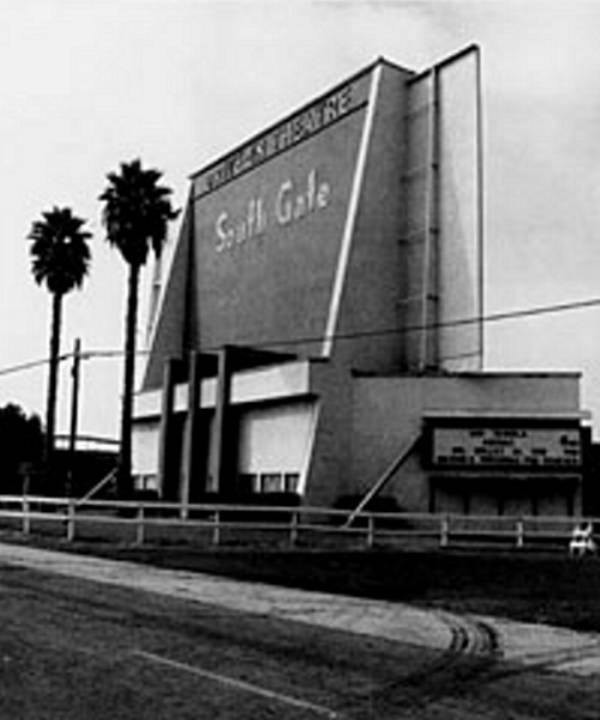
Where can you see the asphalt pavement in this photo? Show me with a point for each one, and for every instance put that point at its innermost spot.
(535, 645)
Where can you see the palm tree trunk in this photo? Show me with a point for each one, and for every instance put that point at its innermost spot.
(52, 384)
(124, 479)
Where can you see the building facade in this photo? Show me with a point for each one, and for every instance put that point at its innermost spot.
(322, 316)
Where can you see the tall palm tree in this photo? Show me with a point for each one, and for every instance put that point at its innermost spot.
(136, 213)
(60, 260)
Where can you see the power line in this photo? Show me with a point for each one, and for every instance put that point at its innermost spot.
(85, 355)
(474, 320)
(486, 319)
(91, 354)
(30, 364)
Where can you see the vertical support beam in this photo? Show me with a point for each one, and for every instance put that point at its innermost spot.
(190, 473)
(370, 531)
(74, 415)
(216, 534)
(219, 466)
(26, 527)
(166, 419)
(71, 520)
(428, 351)
(520, 533)
(480, 204)
(294, 529)
(444, 531)
(154, 296)
(139, 528)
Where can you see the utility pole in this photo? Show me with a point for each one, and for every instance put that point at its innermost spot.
(74, 414)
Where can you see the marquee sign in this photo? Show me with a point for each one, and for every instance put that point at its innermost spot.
(489, 447)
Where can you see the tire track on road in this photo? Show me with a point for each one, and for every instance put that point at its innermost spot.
(473, 651)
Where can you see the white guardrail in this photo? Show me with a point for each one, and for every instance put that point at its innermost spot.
(172, 523)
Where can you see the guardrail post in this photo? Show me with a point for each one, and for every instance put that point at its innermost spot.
(444, 531)
(71, 520)
(184, 511)
(294, 529)
(370, 531)
(139, 528)
(26, 527)
(520, 533)
(216, 537)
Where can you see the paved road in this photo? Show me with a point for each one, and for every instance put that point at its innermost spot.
(533, 645)
(389, 620)
(83, 637)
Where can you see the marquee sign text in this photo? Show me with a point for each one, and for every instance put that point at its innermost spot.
(517, 447)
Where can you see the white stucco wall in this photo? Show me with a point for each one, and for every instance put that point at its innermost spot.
(144, 448)
(276, 439)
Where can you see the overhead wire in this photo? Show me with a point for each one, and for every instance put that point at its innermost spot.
(31, 364)
(473, 320)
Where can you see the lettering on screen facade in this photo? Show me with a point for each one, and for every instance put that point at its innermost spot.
(299, 127)
(292, 202)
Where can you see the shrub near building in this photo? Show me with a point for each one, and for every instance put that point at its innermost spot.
(21, 448)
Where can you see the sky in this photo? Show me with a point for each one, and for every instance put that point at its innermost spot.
(87, 84)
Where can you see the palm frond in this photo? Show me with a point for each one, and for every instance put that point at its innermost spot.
(136, 211)
(60, 254)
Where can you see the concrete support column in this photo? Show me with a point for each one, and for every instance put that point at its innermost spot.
(189, 473)
(219, 465)
(171, 367)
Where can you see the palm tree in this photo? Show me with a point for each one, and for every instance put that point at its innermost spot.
(136, 213)
(60, 261)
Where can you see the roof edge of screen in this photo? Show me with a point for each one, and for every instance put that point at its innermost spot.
(298, 110)
(454, 57)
